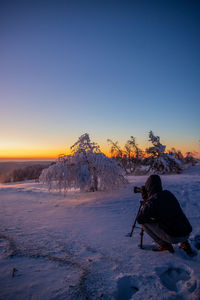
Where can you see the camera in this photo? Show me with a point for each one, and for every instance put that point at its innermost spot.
(137, 189)
(141, 190)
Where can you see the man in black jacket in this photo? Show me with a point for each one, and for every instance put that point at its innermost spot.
(162, 217)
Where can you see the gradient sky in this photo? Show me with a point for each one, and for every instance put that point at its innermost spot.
(109, 68)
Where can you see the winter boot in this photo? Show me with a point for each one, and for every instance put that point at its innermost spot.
(164, 247)
(186, 247)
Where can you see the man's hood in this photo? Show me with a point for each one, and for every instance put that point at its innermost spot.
(153, 185)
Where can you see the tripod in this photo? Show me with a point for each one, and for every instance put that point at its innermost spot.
(134, 225)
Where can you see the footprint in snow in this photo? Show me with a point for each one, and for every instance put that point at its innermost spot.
(125, 288)
(197, 241)
(171, 276)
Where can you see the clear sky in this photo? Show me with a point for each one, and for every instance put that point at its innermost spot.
(109, 68)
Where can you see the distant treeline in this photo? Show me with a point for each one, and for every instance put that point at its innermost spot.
(28, 172)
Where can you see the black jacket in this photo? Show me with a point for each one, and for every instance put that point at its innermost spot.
(163, 208)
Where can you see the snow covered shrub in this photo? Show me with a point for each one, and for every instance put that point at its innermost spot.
(87, 169)
(160, 161)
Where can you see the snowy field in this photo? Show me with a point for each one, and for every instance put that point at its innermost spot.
(74, 246)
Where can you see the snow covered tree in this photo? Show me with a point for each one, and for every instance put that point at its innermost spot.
(158, 149)
(129, 157)
(160, 161)
(132, 146)
(87, 169)
(84, 145)
(118, 154)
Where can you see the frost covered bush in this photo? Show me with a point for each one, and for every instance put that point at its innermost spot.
(87, 169)
(160, 161)
(164, 164)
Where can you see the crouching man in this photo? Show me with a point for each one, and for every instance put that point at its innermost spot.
(162, 217)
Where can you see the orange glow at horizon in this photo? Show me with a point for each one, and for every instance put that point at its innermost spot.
(41, 148)
(29, 153)
(54, 153)
(36, 153)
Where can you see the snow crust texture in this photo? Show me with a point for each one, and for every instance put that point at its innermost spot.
(74, 245)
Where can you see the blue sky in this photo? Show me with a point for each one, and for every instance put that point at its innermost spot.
(109, 68)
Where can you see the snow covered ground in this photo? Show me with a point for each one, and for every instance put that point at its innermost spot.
(74, 246)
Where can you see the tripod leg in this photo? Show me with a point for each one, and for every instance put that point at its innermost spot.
(133, 227)
(141, 238)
